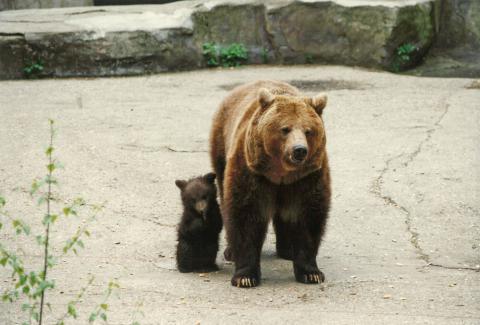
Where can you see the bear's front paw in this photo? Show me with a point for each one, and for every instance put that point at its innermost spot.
(310, 277)
(245, 281)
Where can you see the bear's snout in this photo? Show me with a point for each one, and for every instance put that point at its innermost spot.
(299, 153)
(200, 206)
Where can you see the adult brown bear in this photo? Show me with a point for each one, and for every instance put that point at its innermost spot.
(268, 150)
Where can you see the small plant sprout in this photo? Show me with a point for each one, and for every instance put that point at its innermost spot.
(30, 286)
(33, 68)
(403, 56)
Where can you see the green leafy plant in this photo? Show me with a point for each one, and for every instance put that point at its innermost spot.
(33, 68)
(31, 286)
(211, 53)
(232, 55)
(403, 56)
(308, 58)
(264, 54)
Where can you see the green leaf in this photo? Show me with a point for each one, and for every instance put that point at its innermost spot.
(40, 240)
(104, 306)
(103, 316)
(92, 317)
(72, 311)
(33, 278)
(66, 210)
(3, 261)
(51, 167)
(2, 202)
(26, 289)
(23, 279)
(49, 151)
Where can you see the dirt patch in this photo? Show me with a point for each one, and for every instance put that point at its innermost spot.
(315, 85)
(330, 84)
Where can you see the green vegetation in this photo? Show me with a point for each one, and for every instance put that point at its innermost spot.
(30, 287)
(264, 55)
(33, 68)
(308, 58)
(403, 56)
(232, 55)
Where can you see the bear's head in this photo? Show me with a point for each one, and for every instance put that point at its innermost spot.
(198, 192)
(286, 138)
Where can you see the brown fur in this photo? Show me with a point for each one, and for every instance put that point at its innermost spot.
(254, 138)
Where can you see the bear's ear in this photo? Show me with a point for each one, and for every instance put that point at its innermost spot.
(210, 177)
(318, 102)
(181, 184)
(265, 97)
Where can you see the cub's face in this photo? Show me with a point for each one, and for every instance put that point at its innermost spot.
(292, 130)
(197, 192)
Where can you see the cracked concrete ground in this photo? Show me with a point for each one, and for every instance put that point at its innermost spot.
(404, 233)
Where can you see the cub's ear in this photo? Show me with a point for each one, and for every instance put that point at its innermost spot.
(265, 97)
(180, 184)
(318, 102)
(210, 177)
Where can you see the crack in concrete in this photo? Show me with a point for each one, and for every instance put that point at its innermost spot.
(183, 151)
(378, 182)
(460, 268)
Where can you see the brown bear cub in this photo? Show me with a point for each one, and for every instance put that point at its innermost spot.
(268, 149)
(199, 226)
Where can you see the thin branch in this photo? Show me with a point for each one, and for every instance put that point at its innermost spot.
(47, 232)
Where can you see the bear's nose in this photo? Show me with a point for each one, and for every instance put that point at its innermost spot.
(299, 153)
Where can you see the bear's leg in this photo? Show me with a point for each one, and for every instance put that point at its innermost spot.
(246, 231)
(246, 243)
(283, 238)
(306, 240)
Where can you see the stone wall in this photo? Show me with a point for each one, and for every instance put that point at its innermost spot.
(130, 40)
(40, 4)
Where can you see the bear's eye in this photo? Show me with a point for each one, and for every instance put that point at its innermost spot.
(285, 130)
(308, 132)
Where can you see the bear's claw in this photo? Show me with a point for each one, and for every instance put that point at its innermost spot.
(244, 282)
(313, 278)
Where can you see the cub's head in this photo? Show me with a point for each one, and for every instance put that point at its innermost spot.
(197, 192)
(287, 133)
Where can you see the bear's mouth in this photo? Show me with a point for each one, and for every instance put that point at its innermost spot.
(293, 162)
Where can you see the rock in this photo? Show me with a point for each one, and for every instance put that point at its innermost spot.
(368, 35)
(33, 4)
(12, 52)
(229, 23)
(456, 51)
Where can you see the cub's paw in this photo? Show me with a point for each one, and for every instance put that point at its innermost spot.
(310, 277)
(245, 281)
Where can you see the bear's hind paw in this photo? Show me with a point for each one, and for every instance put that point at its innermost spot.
(244, 282)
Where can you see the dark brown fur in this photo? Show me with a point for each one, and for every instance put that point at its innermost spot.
(253, 139)
(199, 226)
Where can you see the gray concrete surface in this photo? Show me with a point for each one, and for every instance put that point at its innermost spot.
(403, 240)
